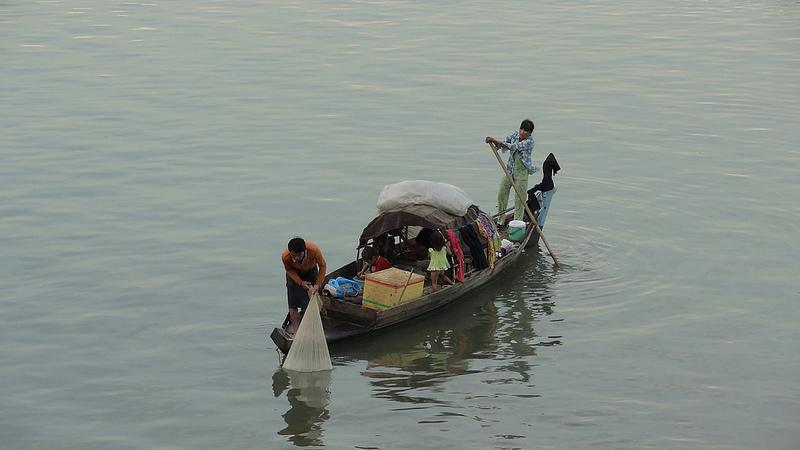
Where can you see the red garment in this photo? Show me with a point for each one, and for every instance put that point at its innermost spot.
(381, 264)
(456, 246)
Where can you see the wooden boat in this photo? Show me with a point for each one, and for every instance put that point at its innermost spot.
(345, 318)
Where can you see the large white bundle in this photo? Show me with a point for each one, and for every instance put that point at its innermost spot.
(309, 351)
(444, 196)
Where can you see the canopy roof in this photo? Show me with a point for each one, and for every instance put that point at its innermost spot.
(417, 215)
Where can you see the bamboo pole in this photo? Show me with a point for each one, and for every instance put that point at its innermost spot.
(400, 299)
(521, 199)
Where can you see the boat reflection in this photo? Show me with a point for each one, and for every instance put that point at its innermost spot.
(524, 298)
(496, 322)
(309, 396)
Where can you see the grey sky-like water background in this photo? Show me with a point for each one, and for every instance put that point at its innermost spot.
(156, 157)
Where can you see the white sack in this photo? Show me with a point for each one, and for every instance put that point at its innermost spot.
(444, 196)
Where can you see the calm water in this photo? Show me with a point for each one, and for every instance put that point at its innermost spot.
(157, 156)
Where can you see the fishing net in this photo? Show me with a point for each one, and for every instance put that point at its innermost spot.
(309, 351)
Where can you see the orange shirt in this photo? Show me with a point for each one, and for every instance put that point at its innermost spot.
(312, 259)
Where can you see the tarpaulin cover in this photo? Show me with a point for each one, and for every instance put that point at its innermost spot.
(417, 215)
(451, 199)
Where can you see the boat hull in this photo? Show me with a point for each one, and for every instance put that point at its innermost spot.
(343, 319)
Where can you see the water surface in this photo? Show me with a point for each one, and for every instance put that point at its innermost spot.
(156, 157)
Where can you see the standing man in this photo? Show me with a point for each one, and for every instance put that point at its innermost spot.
(519, 166)
(305, 272)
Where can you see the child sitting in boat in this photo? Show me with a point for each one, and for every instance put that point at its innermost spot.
(438, 254)
(373, 262)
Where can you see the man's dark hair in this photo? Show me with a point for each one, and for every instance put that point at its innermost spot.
(526, 125)
(297, 245)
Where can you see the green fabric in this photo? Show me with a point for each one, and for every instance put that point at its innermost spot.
(520, 177)
(438, 259)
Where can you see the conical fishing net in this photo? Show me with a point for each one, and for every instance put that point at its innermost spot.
(309, 351)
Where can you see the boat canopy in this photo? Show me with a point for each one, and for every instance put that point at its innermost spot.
(417, 215)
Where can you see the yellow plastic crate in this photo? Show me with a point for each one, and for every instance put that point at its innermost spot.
(382, 290)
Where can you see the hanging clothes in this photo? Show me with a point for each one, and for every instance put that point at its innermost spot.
(550, 167)
(455, 244)
(491, 230)
(534, 203)
(470, 237)
(490, 255)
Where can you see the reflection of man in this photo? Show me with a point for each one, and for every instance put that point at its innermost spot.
(305, 272)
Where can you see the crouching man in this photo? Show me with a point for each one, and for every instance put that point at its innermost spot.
(305, 273)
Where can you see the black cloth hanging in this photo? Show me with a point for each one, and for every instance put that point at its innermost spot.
(533, 203)
(424, 237)
(549, 168)
(470, 237)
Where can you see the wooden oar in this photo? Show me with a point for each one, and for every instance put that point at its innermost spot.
(520, 199)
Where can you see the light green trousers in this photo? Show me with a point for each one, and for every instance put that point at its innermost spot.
(520, 177)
